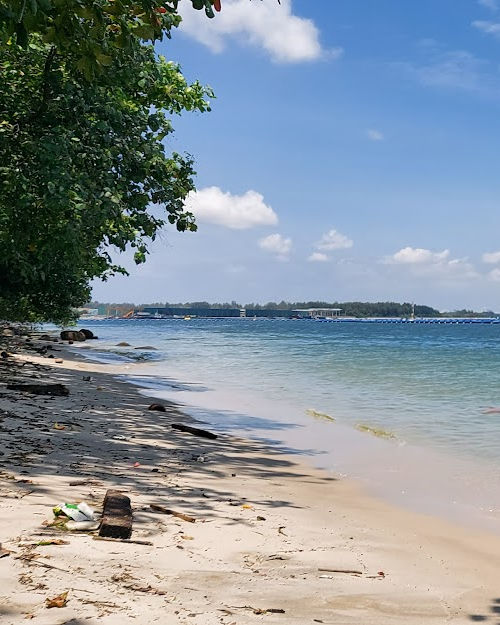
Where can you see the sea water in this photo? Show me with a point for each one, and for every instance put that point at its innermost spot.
(410, 409)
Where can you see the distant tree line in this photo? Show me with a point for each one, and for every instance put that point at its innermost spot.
(354, 309)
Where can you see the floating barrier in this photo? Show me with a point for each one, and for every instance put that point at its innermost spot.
(419, 320)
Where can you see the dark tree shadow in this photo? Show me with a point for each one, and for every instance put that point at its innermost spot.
(492, 617)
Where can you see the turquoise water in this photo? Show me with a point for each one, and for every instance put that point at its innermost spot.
(430, 385)
(433, 388)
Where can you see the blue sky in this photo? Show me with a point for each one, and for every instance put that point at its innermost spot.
(352, 153)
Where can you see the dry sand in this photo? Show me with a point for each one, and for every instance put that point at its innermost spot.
(266, 525)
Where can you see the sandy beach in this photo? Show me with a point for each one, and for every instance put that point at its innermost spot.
(273, 541)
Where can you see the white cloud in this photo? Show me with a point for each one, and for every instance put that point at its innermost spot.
(491, 258)
(412, 256)
(491, 28)
(494, 275)
(318, 257)
(212, 205)
(374, 135)
(334, 240)
(277, 244)
(269, 25)
(426, 263)
(489, 4)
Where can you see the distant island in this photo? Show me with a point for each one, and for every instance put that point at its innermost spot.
(350, 309)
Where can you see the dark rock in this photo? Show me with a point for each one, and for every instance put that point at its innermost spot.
(72, 335)
(8, 332)
(41, 389)
(87, 333)
(150, 347)
(116, 519)
(158, 407)
(44, 337)
(4, 355)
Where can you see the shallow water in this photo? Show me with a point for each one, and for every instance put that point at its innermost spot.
(430, 387)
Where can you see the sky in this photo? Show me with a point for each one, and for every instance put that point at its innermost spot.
(352, 153)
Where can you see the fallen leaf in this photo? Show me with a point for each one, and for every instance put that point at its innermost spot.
(52, 541)
(246, 506)
(58, 602)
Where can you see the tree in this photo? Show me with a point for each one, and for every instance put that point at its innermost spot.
(90, 31)
(81, 163)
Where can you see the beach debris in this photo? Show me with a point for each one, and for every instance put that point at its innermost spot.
(77, 512)
(148, 589)
(85, 482)
(379, 432)
(157, 407)
(187, 537)
(194, 431)
(345, 571)
(319, 415)
(261, 518)
(87, 378)
(280, 530)
(52, 541)
(4, 552)
(123, 344)
(491, 410)
(59, 426)
(124, 540)
(247, 506)
(57, 602)
(150, 347)
(59, 360)
(72, 335)
(135, 465)
(116, 519)
(258, 610)
(82, 526)
(178, 515)
(59, 390)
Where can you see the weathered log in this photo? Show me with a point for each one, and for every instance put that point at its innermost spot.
(194, 431)
(41, 389)
(116, 519)
(179, 515)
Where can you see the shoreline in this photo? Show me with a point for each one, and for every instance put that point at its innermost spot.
(434, 572)
(416, 477)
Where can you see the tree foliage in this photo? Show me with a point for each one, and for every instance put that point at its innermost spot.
(81, 163)
(89, 32)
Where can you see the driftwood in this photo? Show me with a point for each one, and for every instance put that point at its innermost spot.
(179, 515)
(41, 389)
(194, 431)
(347, 571)
(116, 519)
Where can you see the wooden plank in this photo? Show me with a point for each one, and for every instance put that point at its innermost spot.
(116, 519)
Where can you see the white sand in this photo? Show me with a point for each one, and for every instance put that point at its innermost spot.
(213, 571)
